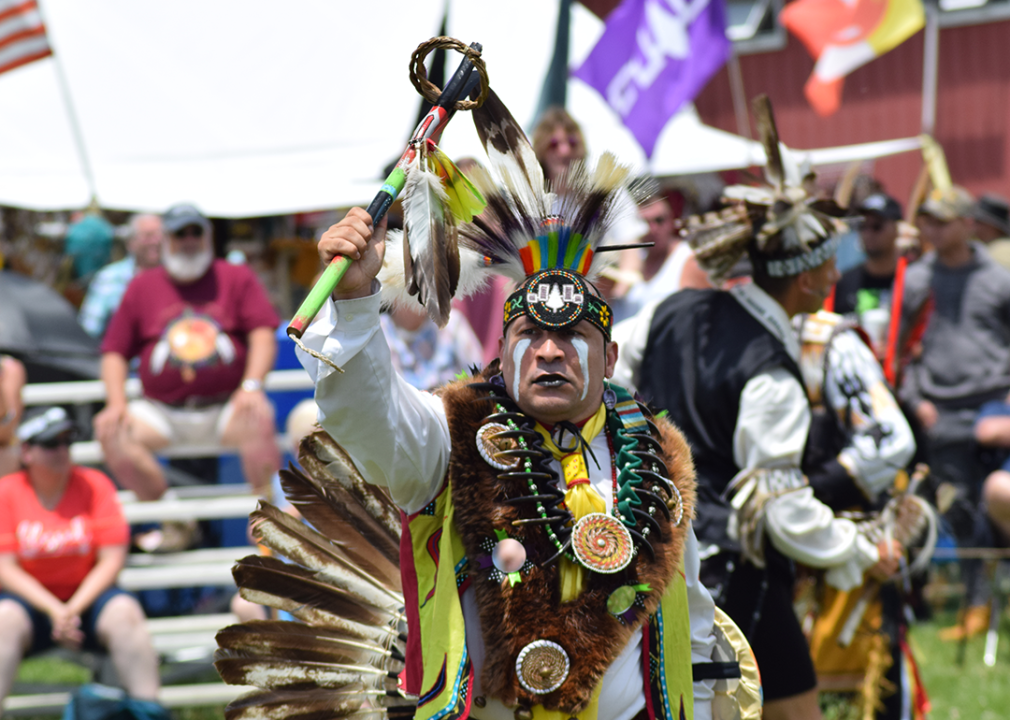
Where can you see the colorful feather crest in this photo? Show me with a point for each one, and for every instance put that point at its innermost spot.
(783, 218)
(524, 228)
(342, 584)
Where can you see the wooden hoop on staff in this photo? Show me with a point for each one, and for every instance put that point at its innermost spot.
(431, 92)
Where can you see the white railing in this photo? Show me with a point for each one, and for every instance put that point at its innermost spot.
(87, 391)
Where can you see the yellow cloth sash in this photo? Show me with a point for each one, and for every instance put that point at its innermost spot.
(580, 497)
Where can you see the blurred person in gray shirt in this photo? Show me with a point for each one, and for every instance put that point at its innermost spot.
(956, 309)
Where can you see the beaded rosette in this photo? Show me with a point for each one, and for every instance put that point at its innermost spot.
(602, 543)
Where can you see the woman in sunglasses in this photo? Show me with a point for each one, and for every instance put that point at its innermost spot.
(63, 541)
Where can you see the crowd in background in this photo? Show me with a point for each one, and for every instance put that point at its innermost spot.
(201, 334)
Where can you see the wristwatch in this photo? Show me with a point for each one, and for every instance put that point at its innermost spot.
(252, 385)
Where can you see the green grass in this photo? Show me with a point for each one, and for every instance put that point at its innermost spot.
(970, 691)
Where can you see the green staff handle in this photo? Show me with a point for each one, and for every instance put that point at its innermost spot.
(462, 83)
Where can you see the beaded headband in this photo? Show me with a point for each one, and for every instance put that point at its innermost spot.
(557, 299)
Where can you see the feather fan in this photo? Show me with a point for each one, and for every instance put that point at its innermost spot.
(342, 655)
(347, 561)
(331, 481)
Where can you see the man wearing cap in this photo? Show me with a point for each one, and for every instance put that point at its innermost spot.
(106, 291)
(992, 226)
(203, 330)
(957, 303)
(63, 541)
(868, 285)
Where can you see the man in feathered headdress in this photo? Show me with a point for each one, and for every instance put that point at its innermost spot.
(725, 365)
(550, 570)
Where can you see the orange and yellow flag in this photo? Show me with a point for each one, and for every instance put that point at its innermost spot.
(843, 35)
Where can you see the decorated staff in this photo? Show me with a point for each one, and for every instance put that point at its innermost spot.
(548, 565)
(420, 157)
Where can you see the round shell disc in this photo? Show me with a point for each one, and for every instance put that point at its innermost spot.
(508, 555)
(621, 599)
(542, 666)
(602, 543)
(489, 447)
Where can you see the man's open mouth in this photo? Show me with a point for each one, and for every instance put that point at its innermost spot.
(551, 380)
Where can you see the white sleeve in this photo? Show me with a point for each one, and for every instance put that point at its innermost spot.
(702, 613)
(397, 435)
(882, 442)
(631, 336)
(771, 432)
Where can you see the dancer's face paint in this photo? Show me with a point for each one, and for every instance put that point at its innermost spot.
(582, 348)
(556, 375)
(518, 352)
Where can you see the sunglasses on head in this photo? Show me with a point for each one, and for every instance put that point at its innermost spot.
(572, 141)
(193, 231)
(56, 442)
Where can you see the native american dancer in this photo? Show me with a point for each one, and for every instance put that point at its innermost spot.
(858, 448)
(549, 568)
(724, 363)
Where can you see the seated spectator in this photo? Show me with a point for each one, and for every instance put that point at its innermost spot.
(12, 379)
(107, 288)
(992, 430)
(203, 330)
(89, 245)
(424, 354)
(63, 541)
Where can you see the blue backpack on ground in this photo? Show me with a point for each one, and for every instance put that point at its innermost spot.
(101, 702)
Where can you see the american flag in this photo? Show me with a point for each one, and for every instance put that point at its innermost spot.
(22, 34)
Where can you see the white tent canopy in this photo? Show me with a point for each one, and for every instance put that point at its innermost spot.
(251, 108)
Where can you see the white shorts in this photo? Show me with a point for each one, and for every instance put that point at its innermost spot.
(181, 425)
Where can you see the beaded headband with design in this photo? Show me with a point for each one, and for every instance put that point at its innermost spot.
(784, 226)
(558, 299)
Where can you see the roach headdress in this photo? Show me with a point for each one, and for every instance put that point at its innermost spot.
(784, 227)
(506, 220)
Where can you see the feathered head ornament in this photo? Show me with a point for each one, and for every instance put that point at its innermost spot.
(511, 225)
(783, 225)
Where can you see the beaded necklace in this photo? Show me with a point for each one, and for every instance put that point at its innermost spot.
(624, 482)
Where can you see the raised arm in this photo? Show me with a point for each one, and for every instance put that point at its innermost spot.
(398, 436)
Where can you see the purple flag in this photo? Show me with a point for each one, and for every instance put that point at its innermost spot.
(654, 56)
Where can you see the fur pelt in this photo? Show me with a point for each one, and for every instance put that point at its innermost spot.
(514, 616)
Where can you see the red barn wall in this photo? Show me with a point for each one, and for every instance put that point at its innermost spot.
(883, 100)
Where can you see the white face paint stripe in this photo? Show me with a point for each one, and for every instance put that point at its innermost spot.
(517, 362)
(582, 348)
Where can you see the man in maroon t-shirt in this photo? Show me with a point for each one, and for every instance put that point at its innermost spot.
(203, 330)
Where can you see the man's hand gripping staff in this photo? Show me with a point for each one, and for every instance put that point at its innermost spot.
(340, 248)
